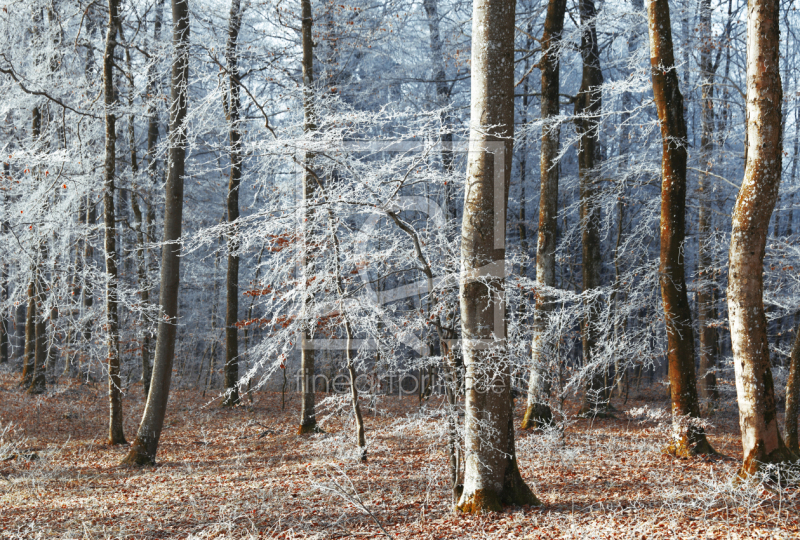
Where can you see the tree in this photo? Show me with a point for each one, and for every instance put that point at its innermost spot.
(232, 105)
(761, 438)
(492, 478)
(588, 104)
(308, 418)
(705, 288)
(688, 437)
(116, 434)
(144, 447)
(538, 411)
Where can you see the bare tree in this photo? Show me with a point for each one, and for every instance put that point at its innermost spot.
(761, 438)
(308, 417)
(705, 288)
(232, 106)
(688, 438)
(143, 450)
(492, 478)
(115, 429)
(538, 411)
(588, 104)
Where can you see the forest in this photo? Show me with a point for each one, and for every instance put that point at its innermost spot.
(405, 269)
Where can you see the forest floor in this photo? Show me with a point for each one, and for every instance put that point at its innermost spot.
(243, 473)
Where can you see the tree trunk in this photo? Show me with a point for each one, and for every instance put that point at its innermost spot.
(588, 104)
(232, 279)
(761, 438)
(308, 418)
(793, 396)
(30, 339)
(143, 450)
(538, 411)
(492, 478)
(39, 381)
(705, 287)
(115, 428)
(688, 439)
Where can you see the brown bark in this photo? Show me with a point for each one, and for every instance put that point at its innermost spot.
(538, 411)
(761, 438)
(308, 418)
(492, 478)
(232, 280)
(588, 104)
(688, 439)
(705, 289)
(793, 396)
(115, 428)
(143, 450)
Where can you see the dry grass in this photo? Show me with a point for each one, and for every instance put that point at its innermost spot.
(244, 473)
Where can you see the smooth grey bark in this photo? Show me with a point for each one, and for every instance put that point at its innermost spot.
(491, 478)
(144, 448)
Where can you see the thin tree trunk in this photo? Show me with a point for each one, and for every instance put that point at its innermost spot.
(588, 104)
(232, 279)
(492, 478)
(143, 450)
(538, 410)
(39, 381)
(688, 439)
(705, 289)
(761, 438)
(308, 418)
(115, 428)
(30, 339)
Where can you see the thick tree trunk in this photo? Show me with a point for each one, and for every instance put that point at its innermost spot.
(688, 439)
(308, 418)
(143, 450)
(705, 288)
(115, 428)
(538, 410)
(587, 110)
(761, 438)
(232, 280)
(492, 478)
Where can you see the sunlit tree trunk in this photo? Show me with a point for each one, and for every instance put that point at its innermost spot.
(688, 439)
(587, 110)
(308, 418)
(761, 438)
(538, 410)
(492, 478)
(30, 339)
(145, 445)
(232, 280)
(38, 380)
